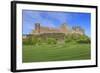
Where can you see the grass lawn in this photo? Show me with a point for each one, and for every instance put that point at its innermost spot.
(57, 52)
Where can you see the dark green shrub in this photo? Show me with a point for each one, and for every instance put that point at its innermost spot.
(69, 38)
(30, 40)
(40, 41)
(83, 39)
(51, 41)
(34, 41)
(77, 38)
(27, 41)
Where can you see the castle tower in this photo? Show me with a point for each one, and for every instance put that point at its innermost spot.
(78, 30)
(37, 27)
(64, 28)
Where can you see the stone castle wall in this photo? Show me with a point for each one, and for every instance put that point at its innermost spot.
(63, 29)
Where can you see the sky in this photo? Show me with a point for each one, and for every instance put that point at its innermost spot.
(55, 20)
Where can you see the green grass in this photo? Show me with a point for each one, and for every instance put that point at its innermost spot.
(57, 52)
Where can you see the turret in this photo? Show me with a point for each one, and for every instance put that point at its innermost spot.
(37, 27)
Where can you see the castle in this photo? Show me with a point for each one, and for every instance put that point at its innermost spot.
(57, 33)
(62, 29)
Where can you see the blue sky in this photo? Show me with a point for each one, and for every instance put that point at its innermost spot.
(55, 19)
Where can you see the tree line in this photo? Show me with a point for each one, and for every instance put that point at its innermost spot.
(55, 38)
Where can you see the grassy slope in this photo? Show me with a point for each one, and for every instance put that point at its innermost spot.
(56, 52)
